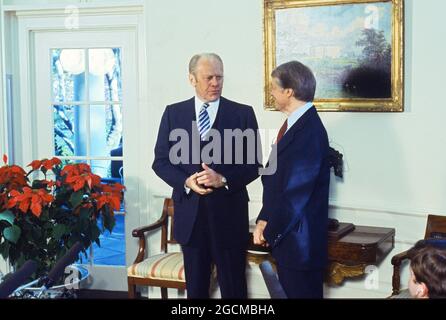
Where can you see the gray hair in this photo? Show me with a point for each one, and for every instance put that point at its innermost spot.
(297, 76)
(207, 55)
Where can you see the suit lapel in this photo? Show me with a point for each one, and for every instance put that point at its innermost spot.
(190, 117)
(289, 136)
(222, 117)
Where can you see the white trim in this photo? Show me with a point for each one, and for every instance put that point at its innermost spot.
(103, 7)
(3, 116)
(28, 26)
(33, 26)
(401, 211)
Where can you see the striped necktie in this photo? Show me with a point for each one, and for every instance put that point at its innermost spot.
(204, 122)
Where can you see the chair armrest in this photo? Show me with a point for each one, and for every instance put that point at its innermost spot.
(398, 258)
(139, 232)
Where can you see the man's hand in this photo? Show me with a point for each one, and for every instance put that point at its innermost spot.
(209, 178)
(258, 233)
(192, 183)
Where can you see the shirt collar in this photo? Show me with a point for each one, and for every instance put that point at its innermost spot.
(293, 117)
(213, 105)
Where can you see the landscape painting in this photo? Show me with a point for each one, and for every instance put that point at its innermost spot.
(351, 47)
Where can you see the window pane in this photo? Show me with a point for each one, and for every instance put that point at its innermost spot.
(117, 170)
(70, 138)
(104, 74)
(106, 130)
(68, 74)
(109, 171)
(102, 168)
(112, 249)
(71, 161)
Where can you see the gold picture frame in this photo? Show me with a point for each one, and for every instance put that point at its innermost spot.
(354, 47)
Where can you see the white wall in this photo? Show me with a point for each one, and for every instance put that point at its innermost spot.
(3, 145)
(395, 163)
(395, 170)
(2, 102)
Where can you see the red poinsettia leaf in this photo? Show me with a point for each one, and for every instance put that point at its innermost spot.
(96, 180)
(101, 201)
(17, 170)
(11, 203)
(36, 164)
(35, 199)
(36, 209)
(55, 161)
(88, 180)
(24, 205)
(5, 159)
(47, 164)
(70, 169)
(14, 193)
(115, 203)
(84, 168)
(118, 187)
(79, 184)
(47, 197)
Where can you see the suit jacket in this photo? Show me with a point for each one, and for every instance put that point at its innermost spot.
(295, 198)
(228, 208)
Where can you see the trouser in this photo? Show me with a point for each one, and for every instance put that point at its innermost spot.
(201, 252)
(301, 284)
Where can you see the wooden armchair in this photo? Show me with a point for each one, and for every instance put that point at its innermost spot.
(435, 228)
(165, 270)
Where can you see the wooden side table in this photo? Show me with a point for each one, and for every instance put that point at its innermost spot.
(348, 255)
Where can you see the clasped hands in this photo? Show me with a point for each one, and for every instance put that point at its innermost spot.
(205, 181)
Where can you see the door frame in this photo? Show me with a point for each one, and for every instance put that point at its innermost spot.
(129, 16)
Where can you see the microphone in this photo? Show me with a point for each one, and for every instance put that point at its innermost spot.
(273, 285)
(58, 270)
(17, 278)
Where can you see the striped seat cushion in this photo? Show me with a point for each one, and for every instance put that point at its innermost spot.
(167, 266)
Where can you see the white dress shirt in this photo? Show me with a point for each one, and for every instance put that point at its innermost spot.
(292, 118)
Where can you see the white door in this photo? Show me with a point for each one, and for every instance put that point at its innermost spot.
(87, 111)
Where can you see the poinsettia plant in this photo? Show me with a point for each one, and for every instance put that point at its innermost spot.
(45, 211)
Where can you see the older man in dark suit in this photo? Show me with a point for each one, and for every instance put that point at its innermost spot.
(294, 216)
(209, 185)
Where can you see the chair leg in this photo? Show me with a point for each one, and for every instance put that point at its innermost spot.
(163, 293)
(396, 279)
(132, 289)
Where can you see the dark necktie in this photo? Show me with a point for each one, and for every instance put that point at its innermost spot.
(282, 131)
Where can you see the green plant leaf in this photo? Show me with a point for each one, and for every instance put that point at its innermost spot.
(60, 230)
(95, 232)
(4, 249)
(12, 233)
(108, 219)
(7, 216)
(76, 198)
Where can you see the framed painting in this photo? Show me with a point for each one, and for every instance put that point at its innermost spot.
(353, 47)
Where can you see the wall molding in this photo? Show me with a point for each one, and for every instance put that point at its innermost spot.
(61, 9)
(349, 207)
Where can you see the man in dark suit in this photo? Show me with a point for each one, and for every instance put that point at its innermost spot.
(196, 157)
(294, 216)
